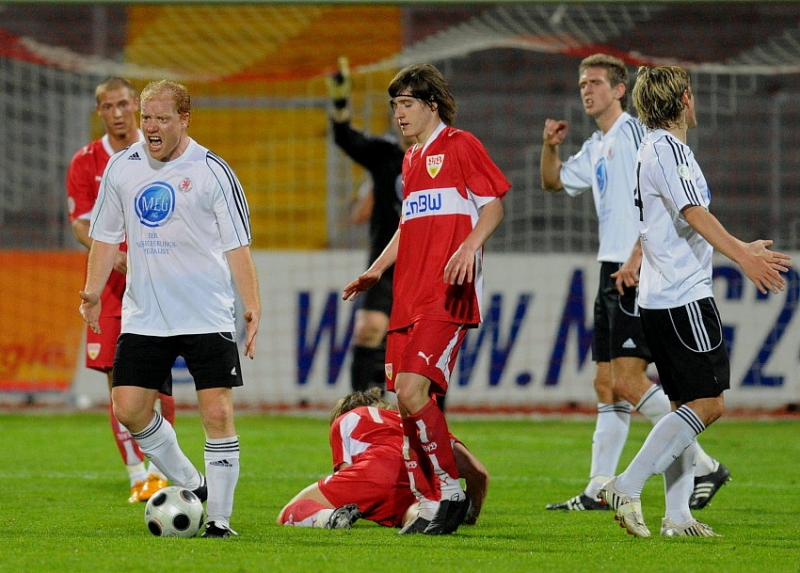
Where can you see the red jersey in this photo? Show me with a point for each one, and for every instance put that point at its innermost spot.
(370, 440)
(83, 185)
(445, 184)
(366, 431)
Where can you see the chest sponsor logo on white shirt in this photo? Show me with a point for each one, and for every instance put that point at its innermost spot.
(155, 204)
(684, 172)
(601, 175)
(434, 164)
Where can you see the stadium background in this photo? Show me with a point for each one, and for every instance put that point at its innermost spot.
(256, 73)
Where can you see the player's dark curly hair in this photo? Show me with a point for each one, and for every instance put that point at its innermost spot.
(371, 397)
(658, 95)
(427, 84)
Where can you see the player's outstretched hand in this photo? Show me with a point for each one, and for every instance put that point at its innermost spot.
(251, 320)
(555, 131)
(365, 281)
(628, 274)
(459, 269)
(765, 267)
(90, 310)
(340, 85)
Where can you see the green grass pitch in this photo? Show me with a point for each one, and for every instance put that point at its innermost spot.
(63, 504)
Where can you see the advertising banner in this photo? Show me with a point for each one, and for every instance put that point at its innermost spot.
(533, 349)
(40, 328)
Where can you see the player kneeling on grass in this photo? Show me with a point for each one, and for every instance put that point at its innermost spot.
(370, 480)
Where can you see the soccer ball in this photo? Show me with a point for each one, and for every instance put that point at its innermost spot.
(174, 512)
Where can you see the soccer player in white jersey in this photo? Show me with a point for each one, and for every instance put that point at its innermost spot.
(452, 195)
(605, 166)
(679, 316)
(187, 224)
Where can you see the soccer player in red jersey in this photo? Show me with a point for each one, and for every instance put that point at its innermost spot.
(117, 105)
(452, 195)
(370, 480)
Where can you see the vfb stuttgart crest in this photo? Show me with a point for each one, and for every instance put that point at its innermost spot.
(434, 164)
(93, 349)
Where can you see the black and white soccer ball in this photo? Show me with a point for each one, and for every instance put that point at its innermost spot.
(174, 511)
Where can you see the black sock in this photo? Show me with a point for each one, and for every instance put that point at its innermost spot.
(364, 370)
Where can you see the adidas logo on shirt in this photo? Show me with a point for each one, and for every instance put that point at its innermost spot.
(134, 157)
(629, 344)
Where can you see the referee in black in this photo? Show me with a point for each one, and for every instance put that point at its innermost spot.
(382, 157)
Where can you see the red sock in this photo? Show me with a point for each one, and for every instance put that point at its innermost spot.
(128, 448)
(421, 475)
(434, 437)
(167, 408)
(302, 512)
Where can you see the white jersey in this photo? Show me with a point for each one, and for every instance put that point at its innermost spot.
(605, 164)
(179, 218)
(676, 268)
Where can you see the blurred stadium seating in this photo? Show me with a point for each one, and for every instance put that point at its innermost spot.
(256, 74)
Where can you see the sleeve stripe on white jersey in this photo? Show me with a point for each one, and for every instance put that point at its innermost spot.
(679, 154)
(238, 193)
(637, 131)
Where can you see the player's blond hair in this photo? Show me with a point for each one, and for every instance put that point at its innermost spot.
(658, 95)
(177, 92)
(616, 70)
(114, 84)
(371, 397)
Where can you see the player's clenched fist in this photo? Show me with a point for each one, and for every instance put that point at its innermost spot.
(555, 131)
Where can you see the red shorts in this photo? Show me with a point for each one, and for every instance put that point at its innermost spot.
(100, 348)
(378, 485)
(428, 348)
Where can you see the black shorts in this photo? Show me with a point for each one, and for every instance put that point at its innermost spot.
(617, 324)
(379, 297)
(689, 350)
(146, 361)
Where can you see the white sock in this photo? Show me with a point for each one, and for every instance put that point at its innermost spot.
(159, 443)
(321, 518)
(136, 472)
(678, 486)
(428, 508)
(608, 440)
(153, 469)
(703, 463)
(222, 472)
(654, 405)
(665, 443)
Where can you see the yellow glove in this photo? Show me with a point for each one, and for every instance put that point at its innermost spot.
(340, 84)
